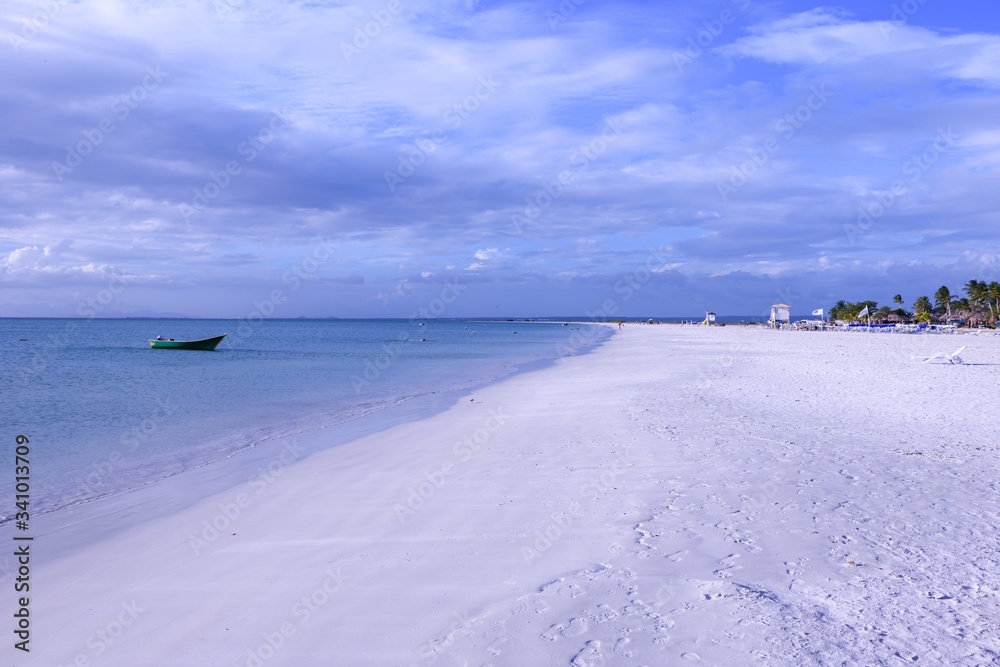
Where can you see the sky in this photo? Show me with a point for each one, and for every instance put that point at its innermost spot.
(233, 158)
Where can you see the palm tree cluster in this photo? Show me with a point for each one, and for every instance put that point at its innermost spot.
(980, 305)
(981, 302)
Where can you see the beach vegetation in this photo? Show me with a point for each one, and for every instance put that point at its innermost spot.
(923, 305)
(984, 297)
(847, 310)
(943, 301)
(979, 307)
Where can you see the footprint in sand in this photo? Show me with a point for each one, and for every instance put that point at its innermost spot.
(560, 587)
(730, 566)
(576, 626)
(746, 538)
(621, 649)
(938, 596)
(714, 590)
(494, 648)
(589, 656)
(637, 608)
(603, 614)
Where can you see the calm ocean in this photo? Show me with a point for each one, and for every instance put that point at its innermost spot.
(106, 413)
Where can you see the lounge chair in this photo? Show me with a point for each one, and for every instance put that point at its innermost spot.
(952, 358)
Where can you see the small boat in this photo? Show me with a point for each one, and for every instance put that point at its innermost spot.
(207, 344)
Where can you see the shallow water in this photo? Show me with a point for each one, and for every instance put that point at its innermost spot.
(105, 413)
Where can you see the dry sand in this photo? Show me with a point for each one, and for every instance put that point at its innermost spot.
(683, 495)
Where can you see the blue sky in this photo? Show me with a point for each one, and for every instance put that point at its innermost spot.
(318, 158)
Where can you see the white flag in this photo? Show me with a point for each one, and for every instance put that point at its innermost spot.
(818, 311)
(863, 313)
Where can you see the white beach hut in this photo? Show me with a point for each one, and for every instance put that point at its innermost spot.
(781, 314)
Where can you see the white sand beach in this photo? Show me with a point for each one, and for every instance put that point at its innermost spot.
(682, 495)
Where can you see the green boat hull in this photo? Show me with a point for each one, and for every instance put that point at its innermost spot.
(206, 344)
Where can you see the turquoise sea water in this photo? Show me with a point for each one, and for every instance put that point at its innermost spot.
(105, 413)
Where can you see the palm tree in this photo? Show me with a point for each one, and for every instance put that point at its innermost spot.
(922, 305)
(979, 295)
(898, 300)
(942, 299)
(993, 292)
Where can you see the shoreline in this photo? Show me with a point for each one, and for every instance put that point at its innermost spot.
(176, 490)
(678, 494)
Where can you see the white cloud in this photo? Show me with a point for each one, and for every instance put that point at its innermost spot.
(488, 253)
(493, 258)
(31, 263)
(821, 36)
